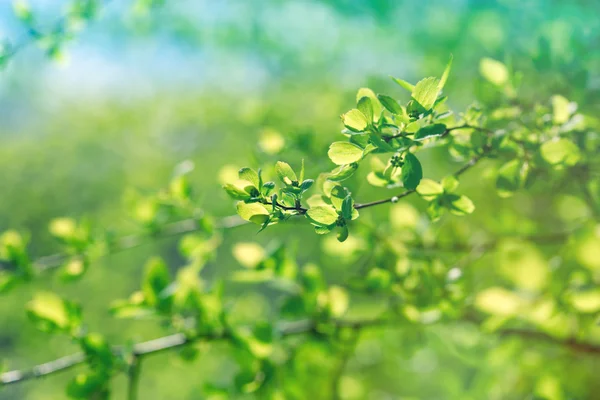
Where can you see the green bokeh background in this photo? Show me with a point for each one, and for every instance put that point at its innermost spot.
(201, 80)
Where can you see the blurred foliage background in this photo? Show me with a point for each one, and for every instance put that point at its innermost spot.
(148, 84)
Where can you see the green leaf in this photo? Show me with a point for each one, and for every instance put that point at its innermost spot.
(248, 254)
(322, 215)
(156, 280)
(338, 301)
(404, 84)
(560, 152)
(365, 106)
(347, 207)
(343, 233)
(98, 350)
(355, 120)
(378, 279)
(235, 192)
(561, 110)
(88, 385)
(49, 312)
(498, 301)
(426, 92)
(390, 104)
(511, 177)
(250, 175)
(342, 172)
(429, 189)
(412, 173)
(449, 183)
(342, 153)
(377, 107)
(430, 131)
(445, 75)
(461, 205)
(493, 71)
(63, 228)
(323, 230)
(285, 173)
(306, 184)
(253, 212)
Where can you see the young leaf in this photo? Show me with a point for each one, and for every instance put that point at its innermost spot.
(343, 233)
(49, 312)
(235, 192)
(390, 104)
(449, 183)
(322, 215)
(444, 77)
(561, 110)
(365, 106)
(342, 153)
(342, 172)
(461, 205)
(156, 280)
(377, 107)
(426, 92)
(412, 173)
(249, 175)
(404, 84)
(429, 189)
(511, 177)
(493, 71)
(253, 212)
(355, 120)
(347, 207)
(561, 152)
(430, 131)
(306, 184)
(285, 173)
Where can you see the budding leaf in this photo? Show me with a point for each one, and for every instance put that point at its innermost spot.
(355, 120)
(323, 215)
(342, 153)
(429, 189)
(412, 172)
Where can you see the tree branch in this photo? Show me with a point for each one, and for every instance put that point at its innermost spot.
(167, 343)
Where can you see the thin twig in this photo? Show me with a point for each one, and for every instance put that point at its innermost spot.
(133, 378)
(470, 164)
